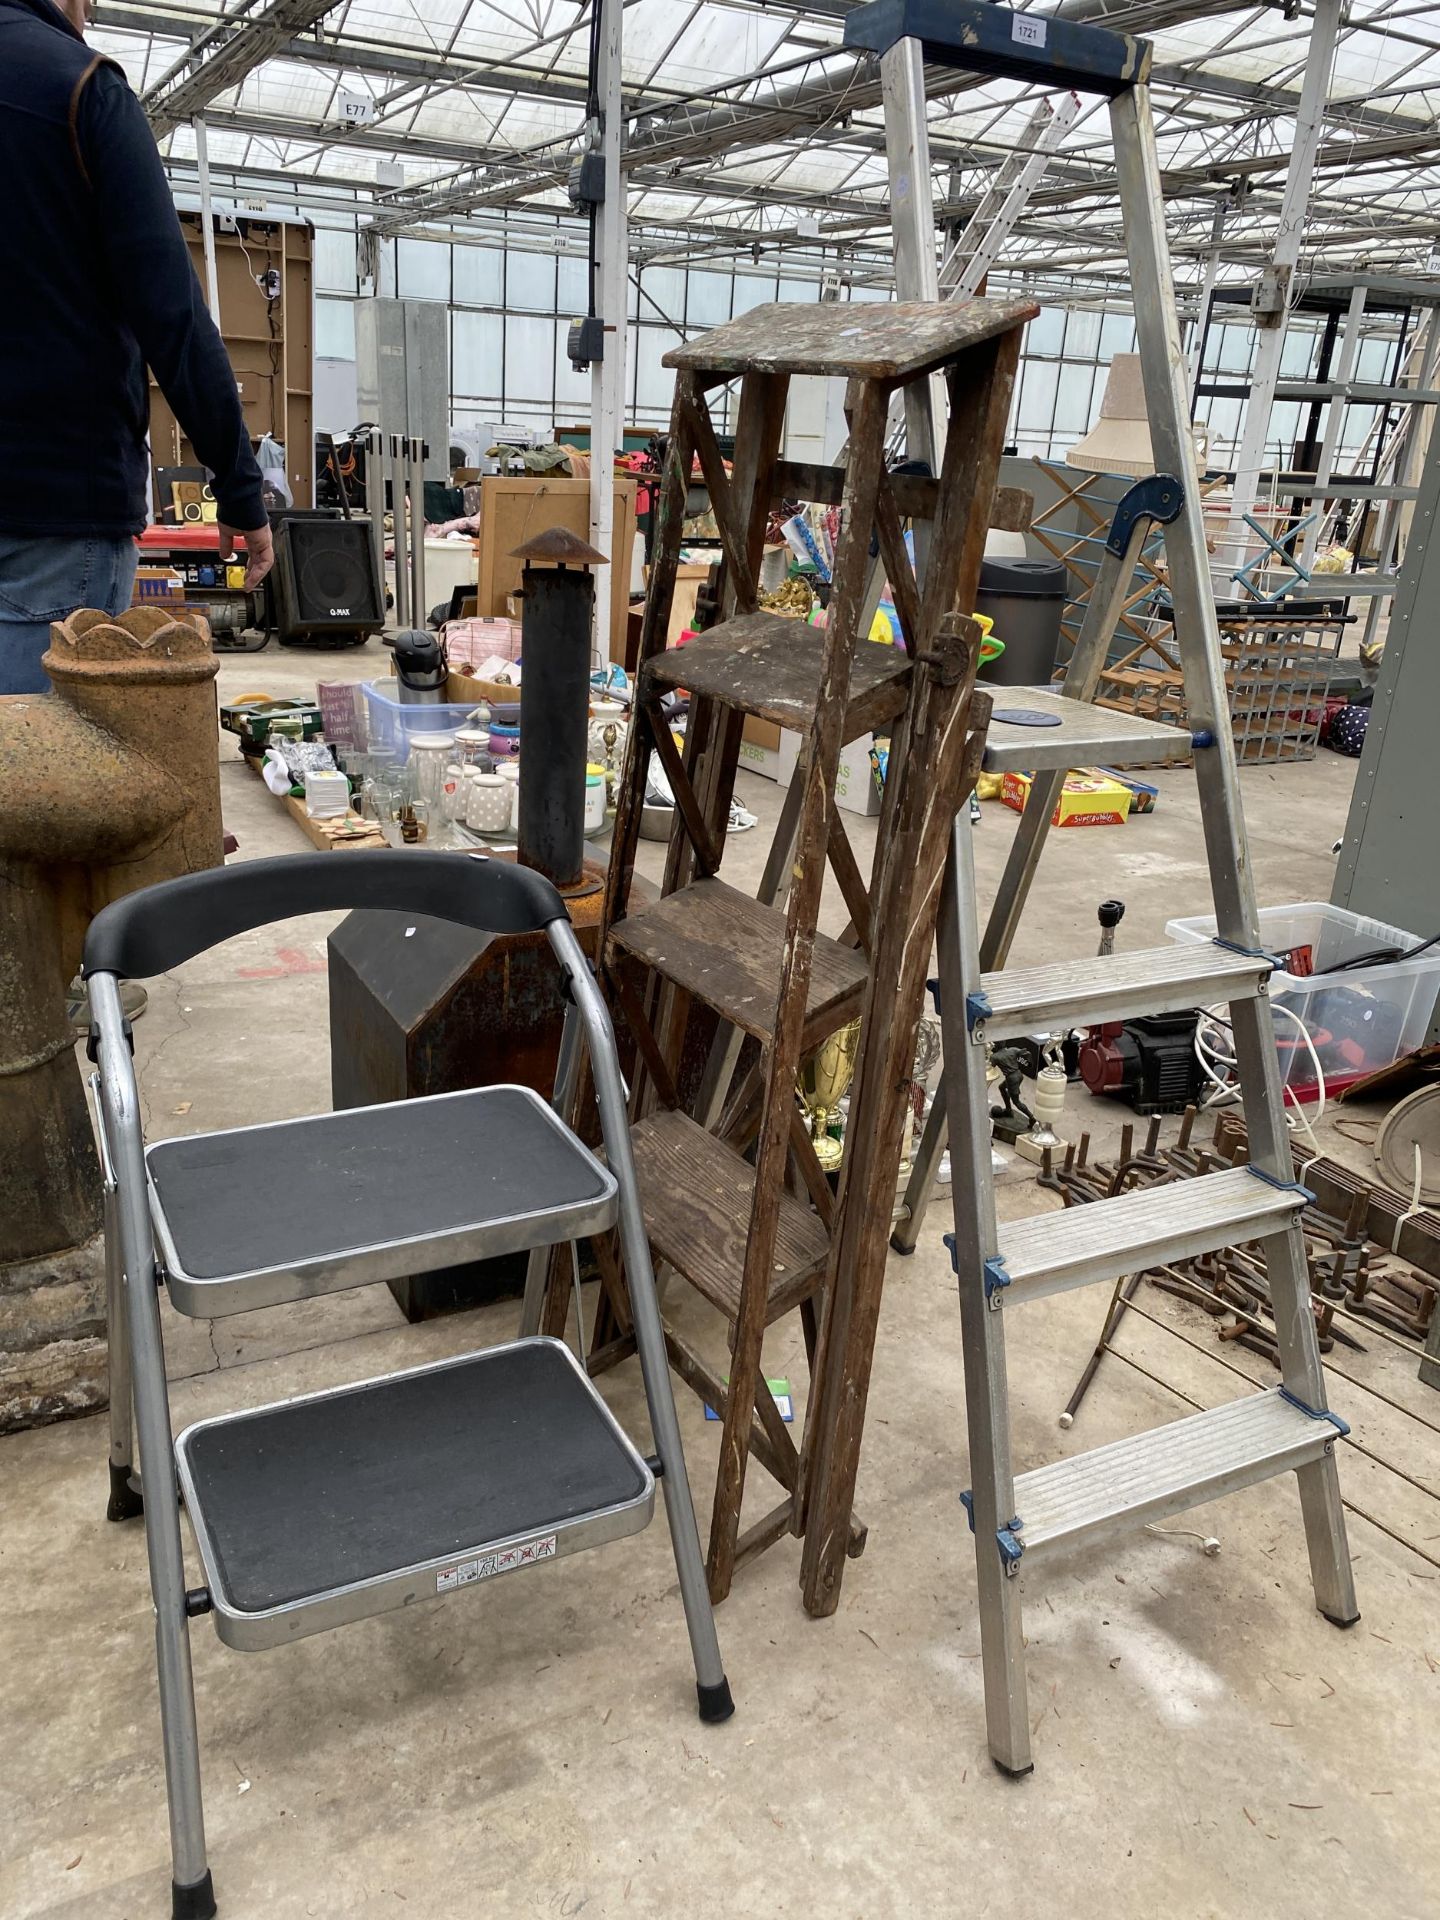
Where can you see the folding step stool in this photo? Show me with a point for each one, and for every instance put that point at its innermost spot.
(365, 1498)
(1093, 1495)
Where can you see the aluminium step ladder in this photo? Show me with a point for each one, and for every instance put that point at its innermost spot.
(367, 1498)
(1016, 1519)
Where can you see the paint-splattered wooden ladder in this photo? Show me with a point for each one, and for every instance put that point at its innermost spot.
(734, 1197)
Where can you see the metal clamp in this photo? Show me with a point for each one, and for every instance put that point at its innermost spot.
(993, 1270)
(1342, 1427)
(1282, 1186)
(1250, 953)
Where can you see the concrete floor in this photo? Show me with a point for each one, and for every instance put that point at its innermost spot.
(1206, 1745)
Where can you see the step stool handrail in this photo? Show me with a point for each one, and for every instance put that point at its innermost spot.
(159, 927)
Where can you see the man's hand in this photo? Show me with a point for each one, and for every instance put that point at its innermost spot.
(259, 551)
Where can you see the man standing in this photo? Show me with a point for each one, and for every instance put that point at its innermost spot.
(100, 285)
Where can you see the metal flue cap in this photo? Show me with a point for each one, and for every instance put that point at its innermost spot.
(561, 547)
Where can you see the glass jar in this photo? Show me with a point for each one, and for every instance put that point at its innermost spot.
(430, 754)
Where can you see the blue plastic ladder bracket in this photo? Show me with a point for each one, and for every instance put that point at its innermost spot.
(1282, 1186)
(977, 1008)
(1316, 1413)
(934, 989)
(993, 1270)
(1159, 498)
(996, 1277)
(1007, 1538)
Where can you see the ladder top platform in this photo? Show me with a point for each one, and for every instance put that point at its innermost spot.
(365, 1498)
(864, 340)
(1079, 734)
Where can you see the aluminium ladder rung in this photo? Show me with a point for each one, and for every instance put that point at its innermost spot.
(1348, 586)
(1338, 488)
(1069, 993)
(1052, 1252)
(1147, 1476)
(1086, 735)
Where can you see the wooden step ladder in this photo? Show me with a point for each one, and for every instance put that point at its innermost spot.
(734, 1197)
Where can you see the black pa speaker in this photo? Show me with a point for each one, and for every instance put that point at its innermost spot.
(323, 586)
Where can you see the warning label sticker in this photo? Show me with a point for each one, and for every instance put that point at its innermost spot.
(464, 1572)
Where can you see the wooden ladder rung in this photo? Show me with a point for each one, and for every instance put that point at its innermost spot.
(725, 949)
(698, 1196)
(769, 665)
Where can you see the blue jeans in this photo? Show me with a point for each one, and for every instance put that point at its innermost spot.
(47, 579)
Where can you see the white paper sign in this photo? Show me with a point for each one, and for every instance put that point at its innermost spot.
(1029, 31)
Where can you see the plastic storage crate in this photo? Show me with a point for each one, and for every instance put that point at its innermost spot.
(1358, 1020)
(392, 722)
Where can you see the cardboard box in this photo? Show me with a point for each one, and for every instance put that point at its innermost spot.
(774, 753)
(775, 762)
(1143, 796)
(463, 691)
(855, 788)
(1090, 798)
(515, 507)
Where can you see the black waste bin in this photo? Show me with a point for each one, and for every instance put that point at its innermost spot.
(1025, 599)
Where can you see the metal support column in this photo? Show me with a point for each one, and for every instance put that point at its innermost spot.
(912, 216)
(1335, 418)
(1273, 300)
(607, 375)
(207, 217)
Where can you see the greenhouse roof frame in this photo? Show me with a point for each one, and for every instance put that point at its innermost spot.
(753, 131)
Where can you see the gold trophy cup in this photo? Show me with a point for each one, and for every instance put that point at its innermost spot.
(824, 1079)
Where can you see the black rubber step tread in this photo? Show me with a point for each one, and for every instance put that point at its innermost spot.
(312, 1495)
(306, 1190)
